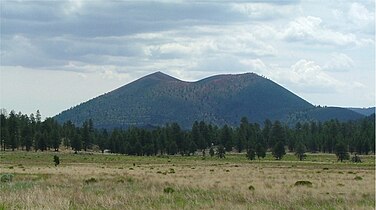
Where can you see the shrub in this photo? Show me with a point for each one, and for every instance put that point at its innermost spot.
(356, 159)
(56, 160)
(303, 183)
(221, 151)
(358, 178)
(168, 190)
(252, 188)
(91, 180)
(130, 180)
(251, 154)
(211, 152)
(6, 178)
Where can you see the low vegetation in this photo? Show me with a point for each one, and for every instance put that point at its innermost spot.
(89, 180)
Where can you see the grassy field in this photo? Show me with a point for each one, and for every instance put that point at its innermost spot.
(106, 181)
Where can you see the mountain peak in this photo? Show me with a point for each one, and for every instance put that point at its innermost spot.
(160, 76)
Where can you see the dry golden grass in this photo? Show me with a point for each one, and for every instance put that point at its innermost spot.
(121, 182)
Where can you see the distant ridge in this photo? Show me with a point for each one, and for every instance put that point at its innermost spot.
(158, 98)
(364, 111)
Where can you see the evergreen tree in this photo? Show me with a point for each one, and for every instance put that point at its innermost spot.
(192, 147)
(221, 151)
(278, 150)
(341, 152)
(103, 140)
(28, 137)
(266, 132)
(4, 135)
(56, 140)
(76, 142)
(204, 136)
(277, 134)
(85, 135)
(260, 151)
(211, 152)
(138, 148)
(226, 138)
(38, 117)
(197, 136)
(300, 151)
(251, 154)
(243, 135)
(13, 130)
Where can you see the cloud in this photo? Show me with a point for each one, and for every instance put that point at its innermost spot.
(310, 30)
(264, 10)
(356, 16)
(304, 76)
(360, 14)
(255, 65)
(339, 62)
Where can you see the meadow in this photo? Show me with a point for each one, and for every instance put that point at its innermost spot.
(109, 181)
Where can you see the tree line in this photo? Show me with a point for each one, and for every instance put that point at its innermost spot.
(22, 132)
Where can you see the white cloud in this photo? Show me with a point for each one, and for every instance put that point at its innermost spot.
(309, 29)
(360, 14)
(256, 65)
(305, 76)
(339, 62)
(263, 11)
(72, 6)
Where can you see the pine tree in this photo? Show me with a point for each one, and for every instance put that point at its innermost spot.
(251, 155)
(260, 151)
(243, 135)
(13, 130)
(76, 142)
(278, 150)
(27, 136)
(85, 135)
(56, 140)
(221, 151)
(300, 150)
(211, 152)
(226, 138)
(341, 152)
(277, 133)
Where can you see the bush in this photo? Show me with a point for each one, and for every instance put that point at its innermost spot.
(56, 160)
(251, 154)
(221, 151)
(356, 159)
(6, 178)
(358, 178)
(303, 183)
(211, 152)
(91, 180)
(252, 188)
(168, 190)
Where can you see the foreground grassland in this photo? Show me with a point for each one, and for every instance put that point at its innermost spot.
(106, 181)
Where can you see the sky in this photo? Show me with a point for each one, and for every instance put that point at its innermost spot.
(58, 54)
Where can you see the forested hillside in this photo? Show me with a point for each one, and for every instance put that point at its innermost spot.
(158, 99)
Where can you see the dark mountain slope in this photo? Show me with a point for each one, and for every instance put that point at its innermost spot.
(157, 99)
